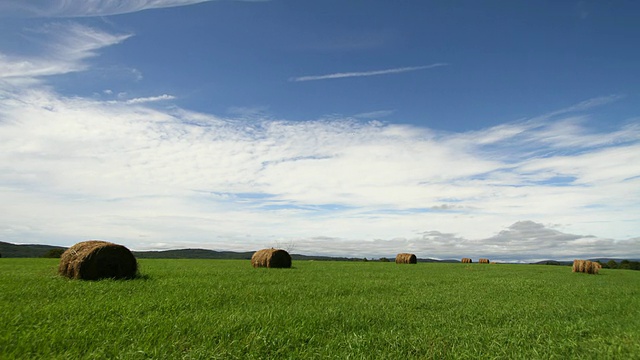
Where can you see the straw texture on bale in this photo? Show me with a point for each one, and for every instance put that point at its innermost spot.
(94, 260)
(483, 261)
(586, 266)
(466, 261)
(271, 258)
(404, 258)
(576, 265)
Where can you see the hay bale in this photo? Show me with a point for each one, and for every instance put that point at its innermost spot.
(93, 260)
(592, 267)
(466, 261)
(583, 266)
(586, 266)
(404, 258)
(576, 266)
(271, 258)
(596, 268)
(483, 261)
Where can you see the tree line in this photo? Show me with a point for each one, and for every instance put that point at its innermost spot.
(624, 264)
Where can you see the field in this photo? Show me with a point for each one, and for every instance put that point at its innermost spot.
(224, 309)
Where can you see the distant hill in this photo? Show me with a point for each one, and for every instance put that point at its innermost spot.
(192, 254)
(439, 261)
(212, 254)
(8, 250)
(554, 262)
(570, 262)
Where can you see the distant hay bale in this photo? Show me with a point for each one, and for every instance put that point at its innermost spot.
(466, 261)
(586, 266)
(493, 262)
(271, 258)
(404, 258)
(483, 261)
(93, 260)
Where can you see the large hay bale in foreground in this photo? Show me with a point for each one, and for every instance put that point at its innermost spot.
(271, 258)
(466, 261)
(483, 261)
(94, 259)
(405, 258)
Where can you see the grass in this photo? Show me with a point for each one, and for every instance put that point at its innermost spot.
(224, 309)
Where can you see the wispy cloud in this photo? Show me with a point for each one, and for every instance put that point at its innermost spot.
(67, 47)
(64, 8)
(141, 100)
(374, 114)
(365, 73)
(88, 8)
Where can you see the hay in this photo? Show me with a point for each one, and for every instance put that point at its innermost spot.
(404, 258)
(576, 265)
(593, 267)
(483, 261)
(271, 258)
(466, 261)
(582, 267)
(586, 266)
(93, 260)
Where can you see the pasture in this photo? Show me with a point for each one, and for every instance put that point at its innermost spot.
(225, 309)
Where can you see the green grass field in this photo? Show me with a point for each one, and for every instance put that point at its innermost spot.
(224, 309)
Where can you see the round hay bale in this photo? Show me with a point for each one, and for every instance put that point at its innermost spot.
(592, 267)
(93, 260)
(271, 258)
(405, 258)
(466, 261)
(576, 265)
(483, 261)
(582, 266)
(596, 268)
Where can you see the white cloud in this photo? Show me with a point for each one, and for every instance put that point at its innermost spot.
(88, 8)
(374, 114)
(141, 100)
(523, 241)
(73, 168)
(64, 8)
(67, 47)
(365, 73)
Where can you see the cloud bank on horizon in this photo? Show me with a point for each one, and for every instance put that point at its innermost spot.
(148, 173)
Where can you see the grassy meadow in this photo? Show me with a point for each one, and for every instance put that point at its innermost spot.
(224, 309)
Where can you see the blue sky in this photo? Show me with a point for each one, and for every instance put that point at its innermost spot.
(508, 130)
